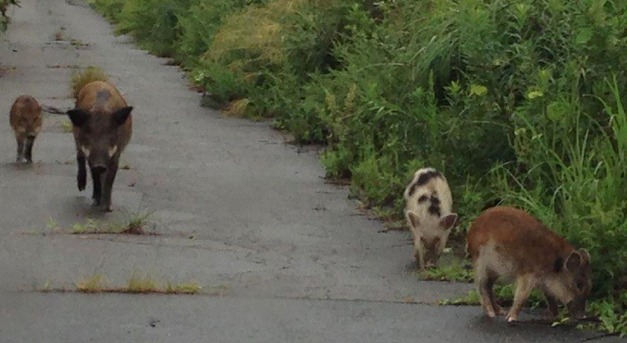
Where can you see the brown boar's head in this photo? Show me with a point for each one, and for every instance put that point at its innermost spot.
(98, 134)
(28, 120)
(576, 281)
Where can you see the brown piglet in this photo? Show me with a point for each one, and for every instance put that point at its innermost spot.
(26, 119)
(102, 127)
(508, 243)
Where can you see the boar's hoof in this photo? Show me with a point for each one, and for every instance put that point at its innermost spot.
(512, 320)
(20, 160)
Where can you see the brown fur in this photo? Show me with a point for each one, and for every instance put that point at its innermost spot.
(26, 121)
(508, 243)
(102, 127)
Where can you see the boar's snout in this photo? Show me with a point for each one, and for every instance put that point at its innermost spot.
(32, 135)
(431, 258)
(99, 169)
(577, 308)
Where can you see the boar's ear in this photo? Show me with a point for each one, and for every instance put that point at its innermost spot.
(120, 116)
(447, 222)
(574, 260)
(585, 254)
(412, 218)
(78, 117)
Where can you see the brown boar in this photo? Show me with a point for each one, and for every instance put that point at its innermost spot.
(102, 127)
(507, 243)
(428, 210)
(26, 122)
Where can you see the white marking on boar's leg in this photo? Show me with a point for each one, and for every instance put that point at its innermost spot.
(112, 150)
(85, 150)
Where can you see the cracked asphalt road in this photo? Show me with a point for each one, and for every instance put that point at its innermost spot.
(236, 209)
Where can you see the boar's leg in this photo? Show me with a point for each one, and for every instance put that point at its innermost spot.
(524, 285)
(81, 177)
(419, 255)
(28, 150)
(108, 185)
(96, 177)
(491, 279)
(485, 284)
(20, 150)
(552, 304)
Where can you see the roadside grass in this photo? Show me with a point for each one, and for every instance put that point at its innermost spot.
(136, 284)
(94, 283)
(66, 125)
(81, 78)
(135, 223)
(457, 270)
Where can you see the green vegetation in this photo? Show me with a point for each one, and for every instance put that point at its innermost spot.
(504, 295)
(130, 224)
(97, 283)
(4, 18)
(453, 271)
(520, 103)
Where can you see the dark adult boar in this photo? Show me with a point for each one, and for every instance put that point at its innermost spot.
(25, 118)
(102, 127)
(506, 242)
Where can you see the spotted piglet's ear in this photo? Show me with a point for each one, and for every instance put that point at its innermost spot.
(449, 221)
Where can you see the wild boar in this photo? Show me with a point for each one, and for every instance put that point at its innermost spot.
(26, 120)
(428, 210)
(102, 127)
(508, 243)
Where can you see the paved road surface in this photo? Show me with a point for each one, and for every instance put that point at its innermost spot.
(281, 256)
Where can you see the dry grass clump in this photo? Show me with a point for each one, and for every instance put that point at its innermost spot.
(91, 284)
(137, 284)
(253, 36)
(80, 79)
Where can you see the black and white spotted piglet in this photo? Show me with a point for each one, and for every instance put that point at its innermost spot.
(428, 209)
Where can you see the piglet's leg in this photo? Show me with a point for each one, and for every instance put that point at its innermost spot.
(28, 149)
(524, 285)
(20, 150)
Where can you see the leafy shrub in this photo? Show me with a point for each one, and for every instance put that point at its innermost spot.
(110, 9)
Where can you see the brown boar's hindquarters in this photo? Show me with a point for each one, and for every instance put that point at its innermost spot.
(509, 244)
(26, 120)
(102, 128)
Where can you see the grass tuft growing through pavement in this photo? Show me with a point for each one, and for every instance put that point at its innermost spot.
(91, 284)
(137, 284)
(81, 78)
